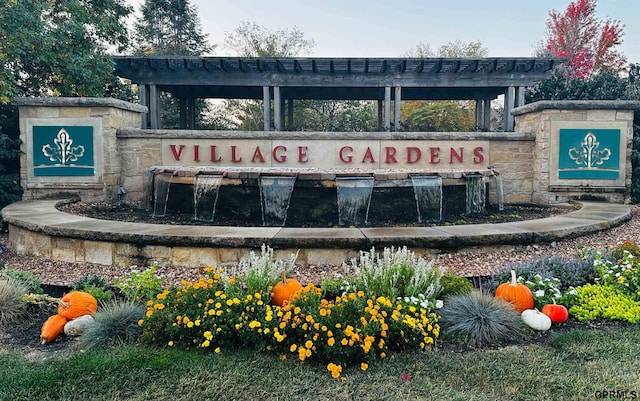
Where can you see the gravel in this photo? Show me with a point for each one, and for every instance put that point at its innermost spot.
(467, 262)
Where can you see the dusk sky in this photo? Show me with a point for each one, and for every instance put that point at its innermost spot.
(383, 28)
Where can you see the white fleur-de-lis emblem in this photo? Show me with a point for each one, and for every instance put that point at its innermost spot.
(590, 154)
(62, 150)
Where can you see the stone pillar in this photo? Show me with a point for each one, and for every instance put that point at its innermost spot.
(88, 126)
(478, 114)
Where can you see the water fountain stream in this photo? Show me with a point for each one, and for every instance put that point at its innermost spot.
(275, 194)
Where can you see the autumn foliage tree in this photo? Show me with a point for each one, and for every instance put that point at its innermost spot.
(588, 42)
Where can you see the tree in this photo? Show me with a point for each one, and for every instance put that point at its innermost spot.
(441, 115)
(172, 28)
(57, 48)
(252, 40)
(457, 48)
(588, 42)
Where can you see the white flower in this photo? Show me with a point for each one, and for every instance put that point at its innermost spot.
(539, 293)
(439, 304)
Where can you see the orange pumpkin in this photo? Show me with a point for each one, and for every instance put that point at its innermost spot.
(52, 328)
(76, 304)
(284, 290)
(519, 295)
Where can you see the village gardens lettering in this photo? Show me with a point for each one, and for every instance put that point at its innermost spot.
(327, 153)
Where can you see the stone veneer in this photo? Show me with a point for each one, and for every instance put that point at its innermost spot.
(104, 114)
(524, 157)
(544, 120)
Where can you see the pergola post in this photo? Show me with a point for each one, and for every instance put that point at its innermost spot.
(387, 108)
(520, 96)
(143, 94)
(380, 112)
(278, 117)
(397, 100)
(478, 114)
(266, 108)
(509, 100)
(487, 115)
(154, 107)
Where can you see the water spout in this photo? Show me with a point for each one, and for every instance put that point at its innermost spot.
(499, 190)
(427, 190)
(275, 194)
(162, 187)
(354, 198)
(476, 193)
(205, 196)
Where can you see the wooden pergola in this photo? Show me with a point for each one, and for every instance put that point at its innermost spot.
(284, 80)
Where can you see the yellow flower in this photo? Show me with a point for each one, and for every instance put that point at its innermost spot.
(364, 366)
(308, 344)
(293, 348)
(205, 343)
(331, 341)
(170, 343)
(217, 350)
(140, 322)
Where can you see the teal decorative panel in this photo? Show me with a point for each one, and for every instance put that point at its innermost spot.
(589, 154)
(63, 151)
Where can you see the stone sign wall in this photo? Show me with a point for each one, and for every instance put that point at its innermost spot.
(559, 150)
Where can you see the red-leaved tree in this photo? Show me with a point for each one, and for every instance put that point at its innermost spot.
(588, 42)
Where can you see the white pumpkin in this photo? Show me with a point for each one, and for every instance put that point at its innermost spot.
(536, 319)
(78, 325)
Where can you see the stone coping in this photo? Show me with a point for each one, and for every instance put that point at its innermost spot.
(78, 102)
(308, 135)
(41, 216)
(577, 105)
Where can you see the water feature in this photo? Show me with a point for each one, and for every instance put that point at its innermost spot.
(162, 188)
(499, 190)
(427, 190)
(476, 193)
(275, 194)
(205, 196)
(354, 198)
(311, 198)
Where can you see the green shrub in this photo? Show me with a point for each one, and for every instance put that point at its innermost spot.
(454, 285)
(89, 280)
(393, 274)
(140, 286)
(593, 301)
(623, 274)
(28, 279)
(95, 285)
(116, 323)
(12, 303)
(480, 319)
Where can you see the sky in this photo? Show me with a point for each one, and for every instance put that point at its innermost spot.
(387, 28)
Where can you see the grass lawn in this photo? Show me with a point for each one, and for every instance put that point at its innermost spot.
(580, 364)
